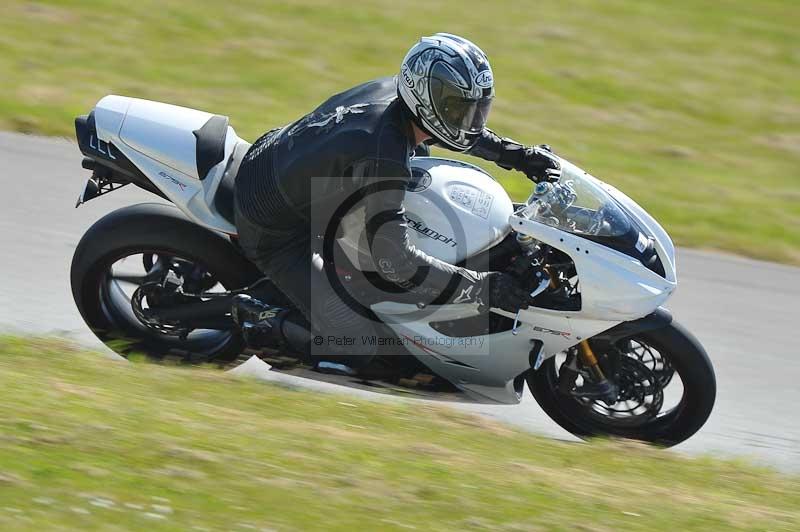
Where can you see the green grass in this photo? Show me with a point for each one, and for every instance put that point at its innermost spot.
(691, 106)
(87, 442)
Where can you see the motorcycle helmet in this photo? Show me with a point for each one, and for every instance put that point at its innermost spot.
(446, 84)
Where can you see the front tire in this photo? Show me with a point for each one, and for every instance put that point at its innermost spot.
(684, 355)
(152, 230)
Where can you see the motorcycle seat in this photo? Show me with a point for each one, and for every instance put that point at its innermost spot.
(210, 145)
(223, 197)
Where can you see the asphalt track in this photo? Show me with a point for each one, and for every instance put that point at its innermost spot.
(743, 311)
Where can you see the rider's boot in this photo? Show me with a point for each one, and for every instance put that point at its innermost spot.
(260, 323)
(263, 325)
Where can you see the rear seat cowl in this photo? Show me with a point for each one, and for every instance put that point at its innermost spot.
(110, 113)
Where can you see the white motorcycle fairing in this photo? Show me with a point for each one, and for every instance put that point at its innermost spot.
(614, 288)
(455, 210)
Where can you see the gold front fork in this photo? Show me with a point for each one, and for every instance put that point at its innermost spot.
(590, 360)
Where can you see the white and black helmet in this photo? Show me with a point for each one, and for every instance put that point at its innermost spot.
(447, 84)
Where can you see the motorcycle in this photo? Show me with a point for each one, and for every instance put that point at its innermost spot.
(598, 352)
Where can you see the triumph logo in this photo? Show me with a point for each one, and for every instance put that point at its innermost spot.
(423, 229)
(420, 180)
(484, 79)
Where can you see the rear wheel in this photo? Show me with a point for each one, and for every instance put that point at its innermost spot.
(666, 387)
(128, 264)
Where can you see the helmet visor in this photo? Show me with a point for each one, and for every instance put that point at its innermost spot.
(465, 114)
(459, 111)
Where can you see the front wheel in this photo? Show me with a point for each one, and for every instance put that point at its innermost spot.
(666, 387)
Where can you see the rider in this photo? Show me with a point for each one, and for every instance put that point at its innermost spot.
(358, 139)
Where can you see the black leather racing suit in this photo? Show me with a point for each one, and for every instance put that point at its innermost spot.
(355, 140)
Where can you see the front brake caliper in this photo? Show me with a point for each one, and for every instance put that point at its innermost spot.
(568, 373)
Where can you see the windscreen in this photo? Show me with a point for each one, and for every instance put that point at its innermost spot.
(577, 203)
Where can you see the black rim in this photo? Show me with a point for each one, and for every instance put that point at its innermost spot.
(134, 282)
(650, 390)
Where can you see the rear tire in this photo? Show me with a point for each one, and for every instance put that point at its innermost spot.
(153, 228)
(690, 362)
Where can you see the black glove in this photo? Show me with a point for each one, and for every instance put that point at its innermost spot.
(501, 290)
(539, 163)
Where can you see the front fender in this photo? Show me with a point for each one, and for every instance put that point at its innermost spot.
(657, 320)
